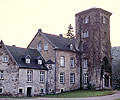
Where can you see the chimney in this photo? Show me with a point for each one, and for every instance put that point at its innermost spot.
(14, 45)
(39, 30)
(60, 35)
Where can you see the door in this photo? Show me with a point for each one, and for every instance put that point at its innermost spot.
(106, 80)
(29, 91)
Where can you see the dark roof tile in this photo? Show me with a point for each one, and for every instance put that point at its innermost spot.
(60, 42)
(19, 55)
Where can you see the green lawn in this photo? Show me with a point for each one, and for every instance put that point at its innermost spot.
(117, 99)
(72, 94)
(78, 94)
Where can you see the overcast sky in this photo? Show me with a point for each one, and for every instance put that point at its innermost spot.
(21, 19)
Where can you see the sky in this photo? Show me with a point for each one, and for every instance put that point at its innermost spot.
(21, 19)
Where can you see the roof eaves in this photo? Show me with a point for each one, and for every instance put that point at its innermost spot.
(64, 49)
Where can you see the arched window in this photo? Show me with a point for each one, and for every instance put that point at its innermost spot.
(105, 60)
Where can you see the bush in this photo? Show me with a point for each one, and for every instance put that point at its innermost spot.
(91, 86)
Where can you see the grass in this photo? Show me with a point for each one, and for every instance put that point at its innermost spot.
(79, 94)
(117, 99)
(15, 97)
(72, 94)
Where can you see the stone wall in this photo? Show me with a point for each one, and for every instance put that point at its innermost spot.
(48, 54)
(97, 45)
(67, 86)
(36, 85)
(9, 83)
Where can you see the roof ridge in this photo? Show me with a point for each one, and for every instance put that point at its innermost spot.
(20, 47)
(57, 36)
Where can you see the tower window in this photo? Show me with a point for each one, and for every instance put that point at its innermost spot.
(86, 19)
(105, 20)
(84, 63)
(84, 34)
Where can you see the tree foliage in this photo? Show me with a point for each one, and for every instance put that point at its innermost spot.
(70, 34)
(116, 67)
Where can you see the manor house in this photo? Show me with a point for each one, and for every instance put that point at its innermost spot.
(53, 64)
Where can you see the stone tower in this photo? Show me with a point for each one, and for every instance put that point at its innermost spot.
(94, 47)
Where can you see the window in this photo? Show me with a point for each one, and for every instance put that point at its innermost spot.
(104, 19)
(62, 61)
(84, 34)
(39, 47)
(1, 90)
(5, 59)
(86, 19)
(46, 46)
(39, 61)
(62, 90)
(84, 63)
(62, 77)
(72, 62)
(21, 90)
(42, 76)
(29, 76)
(42, 90)
(71, 47)
(85, 78)
(72, 77)
(27, 60)
(1, 74)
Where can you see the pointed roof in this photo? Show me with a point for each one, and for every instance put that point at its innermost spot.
(58, 42)
(19, 55)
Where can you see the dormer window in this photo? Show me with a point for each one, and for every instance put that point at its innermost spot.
(39, 61)
(27, 60)
(71, 47)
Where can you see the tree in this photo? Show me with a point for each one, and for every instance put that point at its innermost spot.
(116, 67)
(116, 76)
(70, 34)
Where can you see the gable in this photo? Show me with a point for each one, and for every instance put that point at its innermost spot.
(57, 42)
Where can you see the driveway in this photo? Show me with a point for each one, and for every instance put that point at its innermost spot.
(108, 97)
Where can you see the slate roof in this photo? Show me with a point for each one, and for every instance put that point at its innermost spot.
(19, 55)
(60, 42)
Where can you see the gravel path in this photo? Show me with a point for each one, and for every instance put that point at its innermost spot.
(108, 97)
